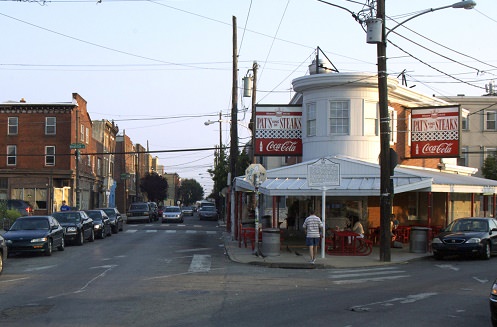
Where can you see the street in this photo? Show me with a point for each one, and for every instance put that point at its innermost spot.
(178, 275)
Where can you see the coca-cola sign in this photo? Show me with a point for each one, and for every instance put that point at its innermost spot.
(435, 132)
(278, 130)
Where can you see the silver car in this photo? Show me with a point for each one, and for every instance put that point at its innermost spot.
(173, 214)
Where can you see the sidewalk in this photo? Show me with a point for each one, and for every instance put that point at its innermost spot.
(294, 254)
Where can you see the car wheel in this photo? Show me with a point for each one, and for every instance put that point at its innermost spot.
(62, 245)
(486, 254)
(48, 249)
(81, 238)
(92, 236)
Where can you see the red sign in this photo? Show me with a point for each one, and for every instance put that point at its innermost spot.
(278, 130)
(435, 132)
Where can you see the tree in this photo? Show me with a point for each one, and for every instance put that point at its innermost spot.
(155, 186)
(190, 191)
(489, 169)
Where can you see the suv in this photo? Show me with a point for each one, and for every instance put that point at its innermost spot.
(140, 211)
(23, 207)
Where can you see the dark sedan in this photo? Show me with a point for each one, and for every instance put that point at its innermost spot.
(3, 252)
(116, 219)
(476, 236)
(35, 234)
(78, 226)
(101, 223)
(208, 213)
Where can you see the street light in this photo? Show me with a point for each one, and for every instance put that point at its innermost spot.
(210, 122)
(386, 171)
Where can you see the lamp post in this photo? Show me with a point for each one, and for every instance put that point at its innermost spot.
(210, 122)
(386, 171)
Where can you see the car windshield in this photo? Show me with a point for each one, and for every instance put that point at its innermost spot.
(468, 225)
(209, 208)
(143, 207)
(173, 209)
(63, 217)
(94, 214)
(110, 212)
(30, 224)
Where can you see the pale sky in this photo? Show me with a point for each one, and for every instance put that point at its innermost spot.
(160, 69)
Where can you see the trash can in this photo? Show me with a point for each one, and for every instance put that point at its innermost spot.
(271, 242)
(418, 240)
(266, 221)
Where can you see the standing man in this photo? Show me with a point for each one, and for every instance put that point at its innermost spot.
(64, 206)
(313, 226)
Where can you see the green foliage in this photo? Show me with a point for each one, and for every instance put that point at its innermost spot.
(190, 191)
(489, 169)
(11, 216)
(155, 186)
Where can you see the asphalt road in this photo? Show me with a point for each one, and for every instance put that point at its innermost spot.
(178, 275)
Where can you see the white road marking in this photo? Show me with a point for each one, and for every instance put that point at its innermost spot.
(151, 231)
(192, 250)
(131, 230)
(200, 263)
(451, 267)
(39, 268)
(191, 231)
(357, 276)
(170, 231)
(401, 300)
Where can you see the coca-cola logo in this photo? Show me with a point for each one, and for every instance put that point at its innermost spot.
(287, 146)
(442, 148)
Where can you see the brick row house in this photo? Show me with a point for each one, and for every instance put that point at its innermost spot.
(55, 152)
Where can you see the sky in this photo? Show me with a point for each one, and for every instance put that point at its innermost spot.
(160, 69)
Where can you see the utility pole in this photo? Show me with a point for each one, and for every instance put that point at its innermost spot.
(77, 154)
(254, 98)
(234, 132)
(385, 171)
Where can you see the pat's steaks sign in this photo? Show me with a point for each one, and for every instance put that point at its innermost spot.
(435, 132)
(278, 130)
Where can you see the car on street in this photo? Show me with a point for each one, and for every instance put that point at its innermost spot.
(155, 210)
(187, 211)
(35, 234)
(493, 303)
(3, 253)
(475, 236)
(78, 226)
(24, 208)
(208, 213)
(116, 219)
(140, 211)
(101, 223)
(172, 214)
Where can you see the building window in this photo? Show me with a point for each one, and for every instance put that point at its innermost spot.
(87, 135)
(490, 152)
(311, 119)
(11, 155)
(465, 123)
(463, 159)
(50, 123)
(50, 155)
(82, 132)
(371, 127)
(99, 167)
(393, 125)
(490, 120)
(339, 120)
(13, 125)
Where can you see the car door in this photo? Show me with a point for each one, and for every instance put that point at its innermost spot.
(493, 234)
(56, 231)
(87, 224)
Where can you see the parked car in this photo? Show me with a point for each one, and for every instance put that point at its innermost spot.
(3, 253)
(187, 211)
(101, 223)
(155, 210)
(78, 226)
(116, 220)
(35, 234)
(173, 214)
(467, 236)
(493, 304)
(24, 208)
(140, 211)
(208, 213)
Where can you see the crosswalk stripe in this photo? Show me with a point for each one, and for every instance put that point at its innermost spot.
(170, 231)
(191, 231)
(200, 263)
(357, 276)
(364, 280)
(131, 230)
(151, 230)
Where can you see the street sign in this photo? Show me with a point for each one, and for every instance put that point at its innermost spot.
(125, 176)
(76, 146)
(255, 170)
(323, 173)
